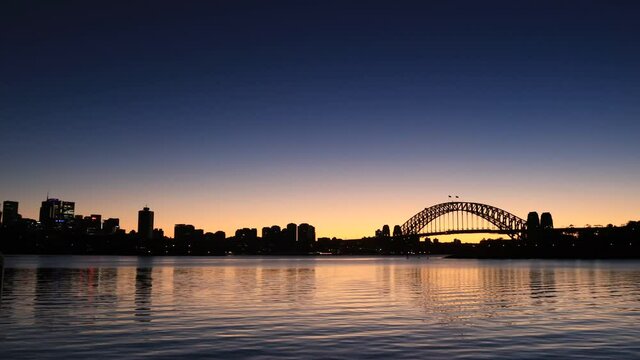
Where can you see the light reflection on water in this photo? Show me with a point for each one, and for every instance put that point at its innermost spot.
(333, 307)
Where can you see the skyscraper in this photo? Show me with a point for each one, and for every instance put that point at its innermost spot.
(56, 212)
(9, 212)
(145, 223)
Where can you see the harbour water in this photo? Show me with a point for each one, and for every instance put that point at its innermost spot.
(76, 307)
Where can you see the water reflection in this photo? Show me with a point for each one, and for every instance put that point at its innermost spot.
(542, 283)
(376, 307)
(144, 283)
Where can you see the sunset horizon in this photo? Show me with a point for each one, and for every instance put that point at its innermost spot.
(334, 179)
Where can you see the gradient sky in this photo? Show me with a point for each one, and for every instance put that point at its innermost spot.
(344, 114)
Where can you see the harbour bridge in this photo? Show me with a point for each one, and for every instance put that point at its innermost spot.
(461, 217)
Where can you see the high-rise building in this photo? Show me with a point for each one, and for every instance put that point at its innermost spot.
(54, 212)
(271, 232)
(9, 212)
(292, 233)
(67, 210)
(306, 233)
(145, 223)
(397, 230)
(385, 231)
(306, 237)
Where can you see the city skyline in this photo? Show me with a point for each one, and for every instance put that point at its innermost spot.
(320, 179)
(47, 211)
(227, 115)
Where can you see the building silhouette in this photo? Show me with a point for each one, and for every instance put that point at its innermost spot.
(187, 232)
(111, 225)
(247, 234)
(306, 233)
(546, 221)
(10, 212)
(93, 223)
(306, 237)
(55, 212)
(158, 234)
(145, 223)
(266, 232)
(533, 221)
(385, 231)
(397, 231)
(292, 233)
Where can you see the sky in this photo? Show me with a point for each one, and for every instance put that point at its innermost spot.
(343, 114)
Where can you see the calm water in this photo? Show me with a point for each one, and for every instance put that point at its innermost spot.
(128, 307)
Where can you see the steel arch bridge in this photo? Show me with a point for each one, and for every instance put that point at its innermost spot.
(504, 221)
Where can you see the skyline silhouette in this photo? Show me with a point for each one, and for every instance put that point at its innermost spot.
(60, 230)
(453, 217)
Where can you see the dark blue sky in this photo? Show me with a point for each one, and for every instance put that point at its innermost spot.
(159, 92)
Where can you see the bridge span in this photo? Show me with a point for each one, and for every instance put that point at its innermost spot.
(461, 217)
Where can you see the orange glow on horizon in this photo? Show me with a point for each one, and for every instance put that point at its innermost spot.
(344, 205)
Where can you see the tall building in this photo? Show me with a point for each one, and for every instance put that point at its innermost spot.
(306, 237)
(385, 231)
(67, 210)
(9, 212)
(397, 230)
(145, 223)
(292, 232)
(54, 212)
(306, 233)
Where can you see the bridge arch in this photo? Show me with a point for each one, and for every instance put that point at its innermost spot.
(503, 220)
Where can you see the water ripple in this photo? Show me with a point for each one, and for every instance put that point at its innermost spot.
(127, 307)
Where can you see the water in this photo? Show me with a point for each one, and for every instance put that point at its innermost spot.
(329, 307)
